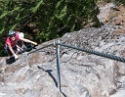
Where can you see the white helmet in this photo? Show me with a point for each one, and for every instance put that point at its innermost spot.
(21, 35)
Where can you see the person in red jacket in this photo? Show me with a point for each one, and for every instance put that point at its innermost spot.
(12, 40)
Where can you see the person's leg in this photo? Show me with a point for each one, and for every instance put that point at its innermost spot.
(15, 49)
(21, 46)
(20, 43)
(6, 50)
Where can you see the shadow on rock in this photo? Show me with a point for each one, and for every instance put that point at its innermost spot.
(50, 74)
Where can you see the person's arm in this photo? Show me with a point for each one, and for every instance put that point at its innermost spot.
(27, 40)
(11, 50)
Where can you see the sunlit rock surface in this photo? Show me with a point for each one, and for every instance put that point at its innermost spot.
(82, 74)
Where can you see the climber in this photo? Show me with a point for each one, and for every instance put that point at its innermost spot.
(14, 43)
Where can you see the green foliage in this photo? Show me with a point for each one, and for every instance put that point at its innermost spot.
(117, 2)
(43, 20)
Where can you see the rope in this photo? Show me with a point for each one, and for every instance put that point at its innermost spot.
(117, 58)
(121, 59)
(39, 49)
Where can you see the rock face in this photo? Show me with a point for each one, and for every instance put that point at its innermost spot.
(82, 74)
(104, 11)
